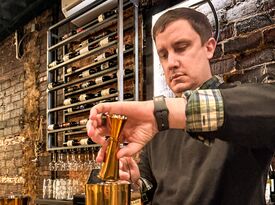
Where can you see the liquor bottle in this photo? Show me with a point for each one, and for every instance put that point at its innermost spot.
(83, 122)
(86, 96)
(71, 89)
(108, 91)
(102, 79)
(68, 124)
(69, 101)
(70, 70)
(106, 15)
(67, 35)
(71, 143)
(53, 127)
(87, 73)
(86, 141)
(55, 84)
(87, 84)
(54, 63)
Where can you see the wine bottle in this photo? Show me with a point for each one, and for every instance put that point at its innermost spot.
(53, 127)
(68, 56)
(71, 143)
(86, 96)
(69, 101)
(77, 108)
(103, 56)
(87, 84)
(67, 35)
(108, 91)
(128, 95)
(125, 47)
(272, 184)
(54, 84)
(87, 73)
(85, 49)
(83, 122)
(102, 34)
(54, 63)
(68, 124)
(107, 40)
(70, 70)
(86, 42)
(102, 79)
(106, 65)
(86, 141)
(71, 89)
(106, 15)
(128, 71)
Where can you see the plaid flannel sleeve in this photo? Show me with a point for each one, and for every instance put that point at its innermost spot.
(204, 112)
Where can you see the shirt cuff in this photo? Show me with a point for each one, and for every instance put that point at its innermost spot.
(204, 110)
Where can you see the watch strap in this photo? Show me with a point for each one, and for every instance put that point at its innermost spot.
(161, 113)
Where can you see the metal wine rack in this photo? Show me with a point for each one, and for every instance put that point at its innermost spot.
(56, 111)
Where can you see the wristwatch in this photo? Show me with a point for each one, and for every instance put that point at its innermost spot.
(161, 112)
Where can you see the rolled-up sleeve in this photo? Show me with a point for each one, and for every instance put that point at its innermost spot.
(204, 112)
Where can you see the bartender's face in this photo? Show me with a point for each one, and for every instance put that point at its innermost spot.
(184, 59)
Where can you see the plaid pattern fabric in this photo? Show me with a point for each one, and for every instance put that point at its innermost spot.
(204, 111)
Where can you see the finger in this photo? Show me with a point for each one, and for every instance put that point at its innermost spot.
(98, 109)
(129, 150)
(101, 153)
(124, 175)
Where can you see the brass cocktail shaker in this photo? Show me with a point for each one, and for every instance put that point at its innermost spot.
(111, 191)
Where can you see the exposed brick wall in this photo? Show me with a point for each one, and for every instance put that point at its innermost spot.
(23, 99)
(247, 39)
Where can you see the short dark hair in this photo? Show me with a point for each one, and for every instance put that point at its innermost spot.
(197, 20)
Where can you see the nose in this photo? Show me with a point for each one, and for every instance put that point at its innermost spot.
(173, 61)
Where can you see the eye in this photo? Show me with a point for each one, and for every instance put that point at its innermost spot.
(163, 55)
(180, 48)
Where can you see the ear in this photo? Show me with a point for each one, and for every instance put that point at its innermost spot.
(210, 47)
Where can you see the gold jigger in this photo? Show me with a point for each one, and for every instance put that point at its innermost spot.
(111, 191)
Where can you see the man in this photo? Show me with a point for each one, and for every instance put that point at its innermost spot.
(216, 159)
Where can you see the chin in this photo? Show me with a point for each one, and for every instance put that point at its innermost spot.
(180, 88)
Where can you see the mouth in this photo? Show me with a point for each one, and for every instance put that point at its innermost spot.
(175, 76)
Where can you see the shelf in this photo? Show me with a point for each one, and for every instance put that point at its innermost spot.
(73, 147)
(75, 133)
(66, 129)
(91, 76)
(53, 201)
(97, 63)
(94, 29)
(82, 79)
(77, 112)
(81, 103)
(90, 87)
(82, 56)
